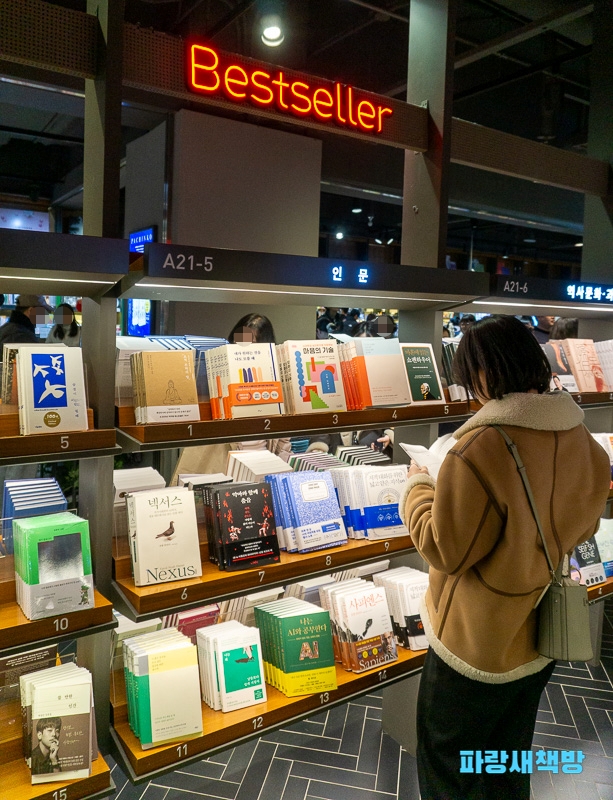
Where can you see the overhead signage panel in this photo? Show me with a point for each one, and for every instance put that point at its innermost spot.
(576, 292)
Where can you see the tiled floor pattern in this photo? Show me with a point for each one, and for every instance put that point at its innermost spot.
(342, 754)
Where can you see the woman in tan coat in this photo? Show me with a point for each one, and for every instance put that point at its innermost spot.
(483, 677)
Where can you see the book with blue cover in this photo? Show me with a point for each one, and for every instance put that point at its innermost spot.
(28, 498)
(314, 510)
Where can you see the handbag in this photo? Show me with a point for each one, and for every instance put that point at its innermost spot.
(564, 617)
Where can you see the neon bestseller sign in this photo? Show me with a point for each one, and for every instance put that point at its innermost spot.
(212, 74)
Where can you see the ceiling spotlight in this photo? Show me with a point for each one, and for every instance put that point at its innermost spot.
(578, 244)
(272, 32)
(378, 241)
(356, 210)
(390, 241)
(530, 241)
(339, 234)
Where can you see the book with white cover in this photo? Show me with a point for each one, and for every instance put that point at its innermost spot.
(51, 390)
(431, 457)
(380, 372)
(238, 655)
(366, 621)
(125, 347)
(384, 487)
(163, 536)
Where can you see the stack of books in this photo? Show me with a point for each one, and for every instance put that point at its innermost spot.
(162, 687)
(604, 540)
(405, 588)
(296, 647)
(163, 535)
(422, 373)
(367, 571)
(51, 389)
(244, 381)
(308, 588)
(561, 373)
(199, 484)
(13, 667)
(361, 624)
(126, 481)
(585, 365)
(28, 498)
(374, 373)
(449, 350)
(188, 622)
(315, 461)
(164, 386)
(240, 523)
(242, 608)
(604, 351)
(53, 565)
(127, 629)
(126, 346)
(231, 668)
(307, 511)
(59, 726)
(358, 454)
(368, 497)
(311, 376)
(254, 465)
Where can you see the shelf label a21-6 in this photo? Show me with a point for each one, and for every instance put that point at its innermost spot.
(180, 261)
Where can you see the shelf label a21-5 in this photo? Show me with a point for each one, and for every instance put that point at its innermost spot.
(180, 261)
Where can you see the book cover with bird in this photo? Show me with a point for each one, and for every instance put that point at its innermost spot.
(163, 535)
(51, 389)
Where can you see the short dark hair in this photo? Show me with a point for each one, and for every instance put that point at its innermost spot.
(48, 722)
(364, 329)
(498, 355)
(565, 328)
(259, 324)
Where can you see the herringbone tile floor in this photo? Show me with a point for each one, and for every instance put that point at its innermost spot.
(342, 754)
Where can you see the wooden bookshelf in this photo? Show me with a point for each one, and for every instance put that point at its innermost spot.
(190, 433)
(16, 784)
(149, 601)
(223, 730)
(18, 633)
(595, 593)
(50, 446)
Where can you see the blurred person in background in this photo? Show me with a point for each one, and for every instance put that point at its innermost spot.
(565, 328)
(66, 329)
(543, 329)
(30, 310)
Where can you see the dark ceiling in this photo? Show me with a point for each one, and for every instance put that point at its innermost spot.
(530, 82)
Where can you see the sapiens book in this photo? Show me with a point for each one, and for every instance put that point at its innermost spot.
(370, 637)
(51, 390)
(163, 536)
(422, 373)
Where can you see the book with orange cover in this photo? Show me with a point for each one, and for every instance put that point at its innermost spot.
(585, 365)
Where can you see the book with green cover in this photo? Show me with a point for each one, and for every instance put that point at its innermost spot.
(53, 565)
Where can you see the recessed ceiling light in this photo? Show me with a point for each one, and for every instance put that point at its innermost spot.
(272, 32)
(356, 210)
(378, 241)
(578, 244)
(339, 234)
(530, 241)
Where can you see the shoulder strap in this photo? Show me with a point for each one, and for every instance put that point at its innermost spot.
(512, 447)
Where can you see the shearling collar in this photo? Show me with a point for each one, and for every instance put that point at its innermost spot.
(553, 411)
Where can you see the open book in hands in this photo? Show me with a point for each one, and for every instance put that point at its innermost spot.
(432, 457)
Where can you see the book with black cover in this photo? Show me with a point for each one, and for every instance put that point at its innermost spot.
(247, 526)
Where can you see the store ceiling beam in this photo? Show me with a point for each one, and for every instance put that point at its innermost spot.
(380, 10)
(223, 23)
(562, 16)
(54, 137)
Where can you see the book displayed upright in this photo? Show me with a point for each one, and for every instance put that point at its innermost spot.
(164, 386)
(28, 498)
(422, 373)
(163, 536)
(51, 389)
(585, 365)
(244, 381)
(314, 510)
(311, 376)
(246, 526)
(53, 565)
(378, 372)
(561, 373)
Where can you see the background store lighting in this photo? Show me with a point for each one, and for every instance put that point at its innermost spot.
(579, 244)
(530, 241)
(272, 31)
(339, 234)
(356, 210)
(378, 241)
(390, 241)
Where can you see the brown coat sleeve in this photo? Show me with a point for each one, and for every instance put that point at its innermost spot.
(456, 524)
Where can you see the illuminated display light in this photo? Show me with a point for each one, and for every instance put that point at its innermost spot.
(212, 73)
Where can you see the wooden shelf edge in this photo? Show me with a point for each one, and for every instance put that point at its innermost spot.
(64, 443)
(27, 634)
(16, 782)
(240, 726)
(142, 603)
(596, 593)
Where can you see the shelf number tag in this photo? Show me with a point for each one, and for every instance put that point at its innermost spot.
(395, 414)
(382, 675)
(262, 573)
(182, 750)
(64, 442)
(257, 722)
(610, 395)
(324, 698)
(60, 794)
(266, 424)
(60, 624)
(184, 594)
(578, 399)
(335, 419)
(328, 561)
(190, 430)
(386, 545)
(446, 410)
